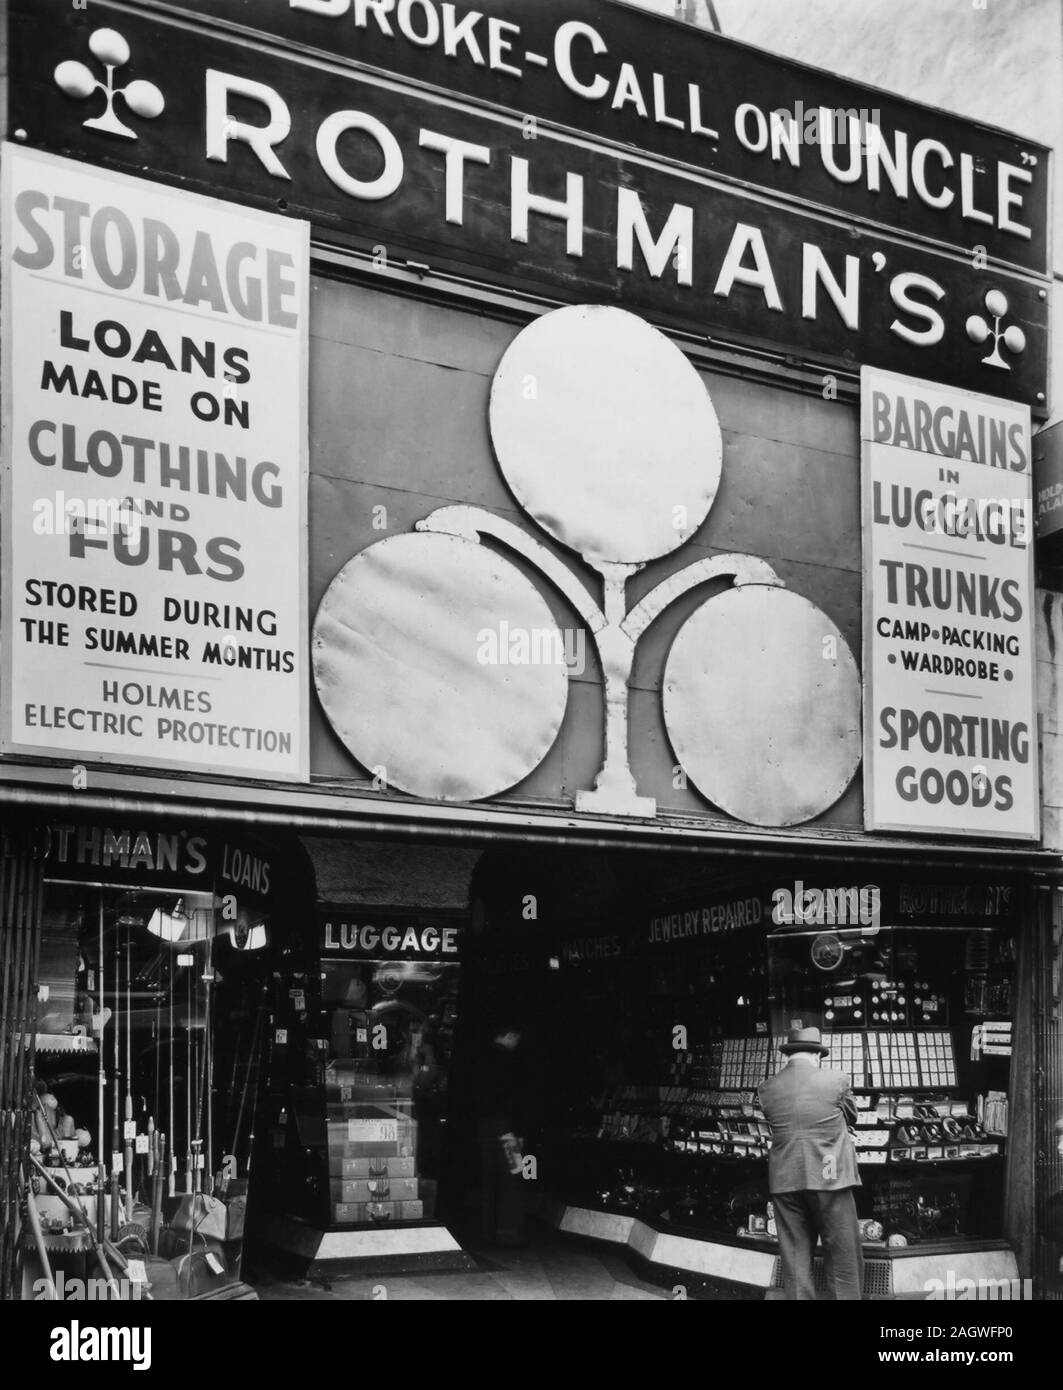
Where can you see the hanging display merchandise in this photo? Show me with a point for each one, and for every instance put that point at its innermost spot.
(147, 1041)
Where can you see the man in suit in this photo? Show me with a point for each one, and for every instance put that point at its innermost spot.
(812, 1168)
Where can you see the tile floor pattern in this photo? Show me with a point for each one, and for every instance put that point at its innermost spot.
(546, 1271)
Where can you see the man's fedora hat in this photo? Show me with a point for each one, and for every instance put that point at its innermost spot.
(804, 1040)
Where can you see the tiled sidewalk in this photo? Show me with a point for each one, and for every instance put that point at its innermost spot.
(548, 1270)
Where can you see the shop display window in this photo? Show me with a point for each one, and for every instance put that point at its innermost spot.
(675, 1029)
(921, 1019)
(148, 1051)
(390, 1036)
(360, 1069)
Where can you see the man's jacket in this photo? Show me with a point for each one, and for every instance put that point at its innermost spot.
(811, 1149)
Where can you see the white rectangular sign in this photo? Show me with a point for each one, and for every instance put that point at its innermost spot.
(950, 725)
(154, 474)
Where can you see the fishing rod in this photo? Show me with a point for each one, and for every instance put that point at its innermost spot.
(188, 1085)
(130, 1125)
(99, 1248)
(171, 1187)
(236, 1044)
(251, 1053)
(208, 1041)
(101, 1068)
(254, 1071)
(156, 1193)
(251, 1116)
(116, 1133)
(201, 1080)
(156, 1039)
(243, 1015)
(33, 1216)
(72, 1196)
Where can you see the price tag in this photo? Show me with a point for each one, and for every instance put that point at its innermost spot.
(281, 1036)
(43, 991)
(129, 1129)
(201, 1160)
(214, 1263)
(345, 1093)
(372, 1132)
(142, 1144)
(116, 1163)
(136, 1272)
(361, 1035)
(298, 998)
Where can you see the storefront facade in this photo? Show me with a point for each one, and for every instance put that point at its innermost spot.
(512, 485)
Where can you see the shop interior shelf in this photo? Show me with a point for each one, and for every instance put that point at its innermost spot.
(932, 1162)
(66, 1042)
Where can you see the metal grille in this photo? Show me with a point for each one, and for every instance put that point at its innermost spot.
(878, 1278)
(20, 901)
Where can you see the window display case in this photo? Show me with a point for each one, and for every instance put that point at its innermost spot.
(359, 1068)
(919, 1016)
(678, 1028)
(144, 1103)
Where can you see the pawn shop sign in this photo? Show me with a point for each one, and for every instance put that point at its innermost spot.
(598, 163)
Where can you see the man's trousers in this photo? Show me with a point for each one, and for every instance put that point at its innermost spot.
(802, 1216)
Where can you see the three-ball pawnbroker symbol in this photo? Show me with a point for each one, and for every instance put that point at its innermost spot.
(77, 80)
(1013, 338)
(610, 442)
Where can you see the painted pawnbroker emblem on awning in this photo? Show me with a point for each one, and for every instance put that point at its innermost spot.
(610, 442)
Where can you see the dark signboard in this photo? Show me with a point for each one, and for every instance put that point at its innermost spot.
(636, 79)
(1048, 485)
(409, 177)
(159, 855)
(810, 901)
